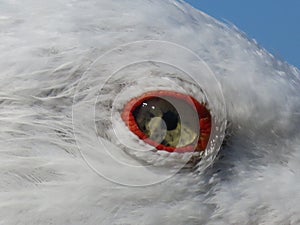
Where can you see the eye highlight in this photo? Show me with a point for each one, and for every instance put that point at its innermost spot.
(169, 121)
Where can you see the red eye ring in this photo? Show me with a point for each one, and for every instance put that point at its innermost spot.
(203, 112)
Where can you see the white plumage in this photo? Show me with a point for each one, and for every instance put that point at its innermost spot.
(45, 50)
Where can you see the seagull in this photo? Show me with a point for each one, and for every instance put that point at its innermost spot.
(142, 112)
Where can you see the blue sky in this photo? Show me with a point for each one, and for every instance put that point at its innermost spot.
(274, 24)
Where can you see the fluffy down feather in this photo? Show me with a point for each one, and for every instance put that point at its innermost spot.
(47, 46)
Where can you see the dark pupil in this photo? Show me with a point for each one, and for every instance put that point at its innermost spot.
(159, 120)
(171, 119)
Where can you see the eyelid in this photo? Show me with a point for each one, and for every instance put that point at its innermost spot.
(201, 110)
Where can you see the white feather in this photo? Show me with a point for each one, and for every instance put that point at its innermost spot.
(45, 50)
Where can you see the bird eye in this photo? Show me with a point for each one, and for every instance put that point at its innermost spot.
(153, 115)
(170, 121)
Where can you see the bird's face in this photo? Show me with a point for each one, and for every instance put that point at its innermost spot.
(71, 69)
